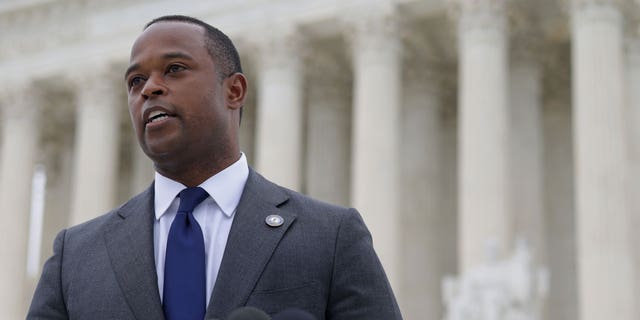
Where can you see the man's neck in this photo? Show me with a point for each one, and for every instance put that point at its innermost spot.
(196, 173)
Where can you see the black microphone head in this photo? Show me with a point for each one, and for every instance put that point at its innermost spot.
(293, 314)
(248, 313)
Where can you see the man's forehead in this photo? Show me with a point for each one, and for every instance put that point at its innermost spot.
(167, 32)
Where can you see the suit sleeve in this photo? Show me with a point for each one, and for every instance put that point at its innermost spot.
(359, 287)
(48, 301)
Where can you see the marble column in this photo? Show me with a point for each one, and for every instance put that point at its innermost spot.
(485, 219)
(328, 147)
(96, 145)
(59, 175)
(279, 115)
(20, 136)
(633, 107)
(606, 270)
(525, 175)
(426, 225)
(376, 132)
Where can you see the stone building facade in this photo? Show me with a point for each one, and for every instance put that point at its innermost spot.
(450, 125)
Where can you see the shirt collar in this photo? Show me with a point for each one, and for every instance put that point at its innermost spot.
(225, 188)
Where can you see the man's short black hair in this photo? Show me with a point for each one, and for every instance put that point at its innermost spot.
(220, 48)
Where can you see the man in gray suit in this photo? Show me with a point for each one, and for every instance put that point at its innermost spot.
(264, 245)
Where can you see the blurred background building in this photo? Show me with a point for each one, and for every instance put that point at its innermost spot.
(458, 128)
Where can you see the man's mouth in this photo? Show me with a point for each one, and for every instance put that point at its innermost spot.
(157, 116)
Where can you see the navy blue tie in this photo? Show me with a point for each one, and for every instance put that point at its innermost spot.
(184, 292)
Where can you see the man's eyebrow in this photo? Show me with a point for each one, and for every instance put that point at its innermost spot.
(177, 54)
(166, 56)
(131, 69)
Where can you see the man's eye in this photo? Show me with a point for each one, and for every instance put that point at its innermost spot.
(175, 68)
(135, 81)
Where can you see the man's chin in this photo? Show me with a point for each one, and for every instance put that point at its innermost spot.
(158, 153)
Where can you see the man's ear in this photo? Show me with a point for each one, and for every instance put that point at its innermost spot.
(235, 90)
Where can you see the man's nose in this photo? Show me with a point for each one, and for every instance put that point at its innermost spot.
(153, 87)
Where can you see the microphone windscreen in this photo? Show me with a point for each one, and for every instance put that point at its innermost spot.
(293, 314)
(248, 313)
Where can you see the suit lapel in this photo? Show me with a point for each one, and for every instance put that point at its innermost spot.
(250, 244)
(129, 241)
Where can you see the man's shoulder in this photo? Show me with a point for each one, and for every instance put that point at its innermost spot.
(305, 206)
(94, 227)
(257, 181)
(311, 204)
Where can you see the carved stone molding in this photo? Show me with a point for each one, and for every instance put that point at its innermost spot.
(327, 68)
(597, 10)
(432, 73)
(277, 45)
(479, 14)
(57, 126)
(586, 3)
(39, 27)
(21, 100)
(102, 80)
(376, 27)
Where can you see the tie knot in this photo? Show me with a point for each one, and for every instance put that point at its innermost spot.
(191, 198)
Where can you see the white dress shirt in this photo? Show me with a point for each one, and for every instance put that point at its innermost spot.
(215, 215)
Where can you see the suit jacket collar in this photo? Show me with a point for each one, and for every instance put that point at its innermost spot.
(129, 242)
(250, 244)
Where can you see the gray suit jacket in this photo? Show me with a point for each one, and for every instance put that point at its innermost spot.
(320, 260)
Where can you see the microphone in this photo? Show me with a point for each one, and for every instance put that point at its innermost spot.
(248, 313)
(293, 314)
